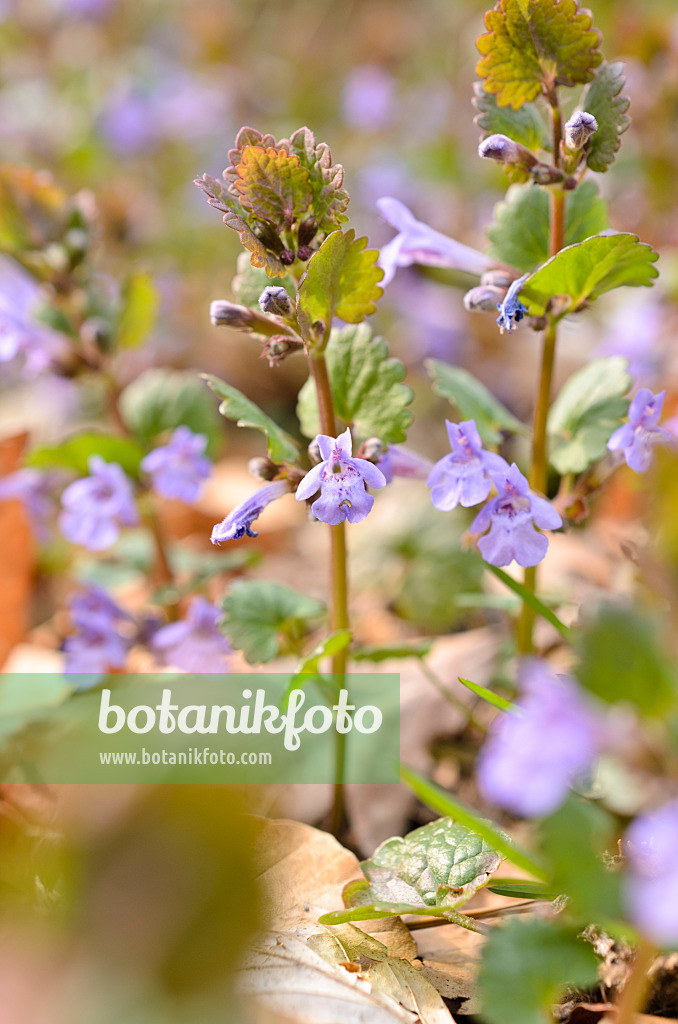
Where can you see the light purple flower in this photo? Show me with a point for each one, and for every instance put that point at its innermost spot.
(651, 885)
(238, 523)
(399, 461)
(463, 478)
(21, 335)
(179, 467)
(511, 310)
(35, 490)
(96, 506)
(97, 646)
(194, 644)
(532, 755)
(368, 97)
(418, 243)
(341, 480)
(511, 518)
(637, 437)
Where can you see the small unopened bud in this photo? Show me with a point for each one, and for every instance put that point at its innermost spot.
(287, 257)
(545, 174)
(314, 453)
(304, 252)
(498, 278)
(506, 151)
(278, 348)
(263, 468)
(372, 449)
(275, 300)
(579, 129)
(484, 299)
(307, 232)
(228, 314)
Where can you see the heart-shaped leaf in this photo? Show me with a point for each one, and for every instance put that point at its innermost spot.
(602, 99)
(526, 125)
(532, 46)
(259, 616)
(273, 185)
(341, 280)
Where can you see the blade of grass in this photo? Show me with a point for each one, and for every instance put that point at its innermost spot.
(526, 595)
(488, 695)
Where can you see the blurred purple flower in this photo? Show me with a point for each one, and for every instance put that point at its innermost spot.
(179, 467)
(651, 885)
(35, 490)
(195, 644)
(637, 437)
(96, 506)
(341, 480)
(238, 523)
(532, 755)
(97, 646)
(418, 243)
(511, 518)
(463, 478)
(399, 461)
(633, 331)
(368, 98)
(128, 122)
(20, 333)
(84, 8)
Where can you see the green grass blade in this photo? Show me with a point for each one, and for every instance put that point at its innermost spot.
(488, 695)
(532, 600)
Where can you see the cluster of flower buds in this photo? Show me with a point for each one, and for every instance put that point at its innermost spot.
(274, 323)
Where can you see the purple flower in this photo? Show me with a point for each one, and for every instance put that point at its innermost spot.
(637, 437)
(367, 98)
(463, 478)
(651, 887)
(418, 243)
(511, 518)
(179, 467)
(399, 461)
(341, 480)
(532, 755)
(511, 310)
(35, 490)
(21, 335)
(238, 523)
(97, 646)
(195, 644)
(96, 506)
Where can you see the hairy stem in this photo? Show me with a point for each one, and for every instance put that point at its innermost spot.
(339, 578)
(632, 998)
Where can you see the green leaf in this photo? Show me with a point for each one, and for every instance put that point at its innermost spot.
(621, 660)
(586, 270)
(573, 841)
(137, 317)
(444, 803)
(602, 99)
(527, 965)
(525, 126)
(385, 908)
(378, 654)
(74, 453)
(521, 889)
(332, 644)
(249, 282)
(260, 616)
(366, 384)
(235, 406)
(535, 45)
(588, 409)
(161, 399)
(273, 185)
(473, 400)
(440, 864)
(329, 198)
(341, 280)
(531, 599)
(519, 232)
(488, 695)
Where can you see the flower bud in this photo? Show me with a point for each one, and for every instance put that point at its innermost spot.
(506, 151)
(228, 314)
(484, 299)
(314, 452)
(579, 129)
(498, 278)
(275, 300)
(372, 449)
(263, 468)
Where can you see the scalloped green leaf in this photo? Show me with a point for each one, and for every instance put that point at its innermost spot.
(330, 200)
(602, 99)
(584, 271)
(273, 185)
(440, 864)
(588, 409)
(341, 280)
(162, 399)
(473, 400)
(526, 125)
(74, 453)
(519, 232)
(260, 618)
(235, 406)
(366, 383)
(531, 46)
